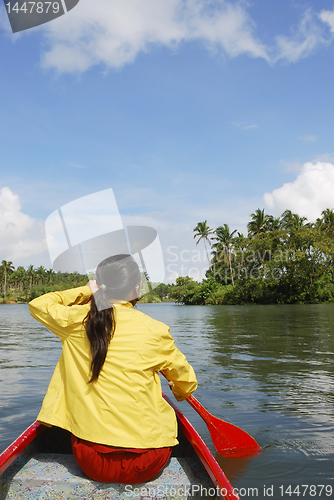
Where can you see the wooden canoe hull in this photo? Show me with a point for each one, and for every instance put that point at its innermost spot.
(44, 453)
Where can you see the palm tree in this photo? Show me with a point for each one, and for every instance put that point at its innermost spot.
(203, 231)
(6, 268)
(327, 220)
(292, 221)
(41, 273)
(224, 245)
(21, 274)
(273, 223)
(50, 274)
(258, 224)
(240, 243)
(30, 274)
(13, 279)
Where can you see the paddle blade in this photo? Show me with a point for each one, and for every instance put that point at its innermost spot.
(229, 440)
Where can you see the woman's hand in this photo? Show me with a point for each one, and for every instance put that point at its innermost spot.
(92, 285)
(170, 382)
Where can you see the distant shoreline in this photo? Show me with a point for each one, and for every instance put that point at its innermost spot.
(168, 301)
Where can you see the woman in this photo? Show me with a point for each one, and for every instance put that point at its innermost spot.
(106, 388)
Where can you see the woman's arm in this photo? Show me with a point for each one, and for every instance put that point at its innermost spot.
(177, 369)
(59, 310)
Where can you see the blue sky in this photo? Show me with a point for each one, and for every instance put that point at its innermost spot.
(189, 110)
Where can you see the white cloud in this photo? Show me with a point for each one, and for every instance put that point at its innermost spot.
(250, 127)
(21, 236)
(174, 214)
(245, 127)
(303, 41)
(327, 16)
(307, 138)
(76, 165)
(325, 157)
(292, 166)
(310, 194)
(114, 33)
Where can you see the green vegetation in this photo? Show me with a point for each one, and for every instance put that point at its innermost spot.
(284, 260)
(157, 293)
(281, 260)
(23, 285)
(203, 232)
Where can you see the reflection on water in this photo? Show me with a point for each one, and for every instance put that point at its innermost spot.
(234, 469)
(266, 369)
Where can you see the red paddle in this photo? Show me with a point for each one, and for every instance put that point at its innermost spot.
(229, 440)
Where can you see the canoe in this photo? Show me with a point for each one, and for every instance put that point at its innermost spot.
(40, 465)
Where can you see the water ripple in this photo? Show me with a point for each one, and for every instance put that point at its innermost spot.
(266, 369)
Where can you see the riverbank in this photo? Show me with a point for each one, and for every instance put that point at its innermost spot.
(22, 286)
(254, 291)
(144, 300)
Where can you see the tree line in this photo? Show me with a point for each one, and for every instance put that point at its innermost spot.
(23, 285)
(282, 259)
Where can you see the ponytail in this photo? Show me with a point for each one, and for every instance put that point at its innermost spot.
(117, 278)
(100, 328)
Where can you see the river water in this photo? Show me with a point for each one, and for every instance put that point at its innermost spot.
(266, 369)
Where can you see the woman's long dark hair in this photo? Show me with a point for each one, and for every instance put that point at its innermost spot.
(117, 278)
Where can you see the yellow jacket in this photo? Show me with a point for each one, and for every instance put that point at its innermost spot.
(124, 407)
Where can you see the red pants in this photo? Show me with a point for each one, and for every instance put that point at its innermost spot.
(119, 465)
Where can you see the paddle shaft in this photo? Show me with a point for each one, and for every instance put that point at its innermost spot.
(228, 439)
(198, 407)
(195, 404)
